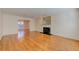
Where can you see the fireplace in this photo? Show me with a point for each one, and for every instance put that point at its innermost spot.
(46, 30)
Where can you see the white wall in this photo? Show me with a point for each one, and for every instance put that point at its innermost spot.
(32, 24)
(78, 23)
(38, 24)
(1, 23)
(65, 24)
(9, 24)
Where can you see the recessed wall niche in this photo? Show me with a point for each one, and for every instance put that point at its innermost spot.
(47, 20)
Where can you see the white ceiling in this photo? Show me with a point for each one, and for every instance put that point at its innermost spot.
(31, 12)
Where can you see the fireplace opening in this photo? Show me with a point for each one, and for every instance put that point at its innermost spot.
(46, 30)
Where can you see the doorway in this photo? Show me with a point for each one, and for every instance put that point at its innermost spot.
(23, 28)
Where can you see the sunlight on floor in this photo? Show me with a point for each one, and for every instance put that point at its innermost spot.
(20, 34)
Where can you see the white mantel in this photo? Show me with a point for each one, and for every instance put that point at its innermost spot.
(46, 26)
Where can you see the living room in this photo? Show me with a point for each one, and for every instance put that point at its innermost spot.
(39, 29)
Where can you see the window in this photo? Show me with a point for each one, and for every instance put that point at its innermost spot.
(20, 25)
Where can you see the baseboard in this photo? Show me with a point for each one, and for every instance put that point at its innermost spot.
(66, 37)
(62, 37)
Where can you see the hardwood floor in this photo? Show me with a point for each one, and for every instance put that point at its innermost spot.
(36, 41)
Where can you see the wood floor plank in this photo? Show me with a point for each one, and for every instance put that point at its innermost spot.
(36, 41)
